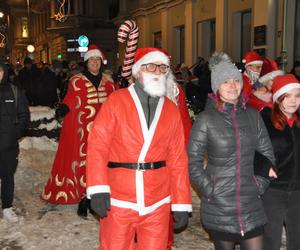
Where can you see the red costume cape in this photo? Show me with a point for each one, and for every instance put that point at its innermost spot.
(67, 183)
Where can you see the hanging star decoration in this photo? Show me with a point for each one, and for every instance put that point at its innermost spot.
(61, 16)
(2, 40)
(2, 36)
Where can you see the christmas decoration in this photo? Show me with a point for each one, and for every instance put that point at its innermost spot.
(2, 36)
(62, 15)
(128, 29)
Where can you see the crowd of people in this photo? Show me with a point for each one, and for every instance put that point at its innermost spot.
(128, 151)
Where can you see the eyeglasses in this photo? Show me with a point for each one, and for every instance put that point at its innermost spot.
(151, 67)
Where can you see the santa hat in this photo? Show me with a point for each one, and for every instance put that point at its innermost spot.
(252, 58)
(269, 71)
(283, 84)
(149, 55)
(96, 52)
(222, 69)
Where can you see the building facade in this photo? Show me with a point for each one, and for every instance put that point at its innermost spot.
(188, 29)
(41, 23)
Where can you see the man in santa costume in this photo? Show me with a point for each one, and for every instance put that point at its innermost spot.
(85, 96)
(137, 163)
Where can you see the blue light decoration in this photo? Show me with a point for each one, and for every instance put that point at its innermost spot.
(83, 41)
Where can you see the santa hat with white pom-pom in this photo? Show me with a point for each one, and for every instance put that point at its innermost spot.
(95, 52)
(251, 58)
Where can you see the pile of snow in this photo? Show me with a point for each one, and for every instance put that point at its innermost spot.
(43, 131)
(39, 143)
(41, 112)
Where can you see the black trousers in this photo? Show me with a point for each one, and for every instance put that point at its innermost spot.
(8, 167)
(282, 208)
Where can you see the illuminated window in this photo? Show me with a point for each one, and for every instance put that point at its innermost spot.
(24, 25)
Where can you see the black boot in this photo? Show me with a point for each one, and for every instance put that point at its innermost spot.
(83, 206)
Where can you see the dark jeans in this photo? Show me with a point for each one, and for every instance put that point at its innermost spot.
(8, 166)
(282, 208)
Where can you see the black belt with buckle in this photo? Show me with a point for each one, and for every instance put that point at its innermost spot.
(138, 166)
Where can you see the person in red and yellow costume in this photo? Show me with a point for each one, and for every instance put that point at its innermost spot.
(137, 165)
(86, 93)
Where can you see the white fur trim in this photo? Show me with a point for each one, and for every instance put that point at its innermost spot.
(285, 89)
(148, 136)
(150, 58)
(182, 207)
(93, 52)
(254, 62)
(97, 189)
(270, 76)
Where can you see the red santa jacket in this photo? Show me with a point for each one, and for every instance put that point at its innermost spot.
(120, 134)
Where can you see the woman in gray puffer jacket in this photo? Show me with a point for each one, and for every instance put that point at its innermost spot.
(230, 133)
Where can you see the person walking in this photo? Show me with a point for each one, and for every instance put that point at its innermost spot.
(14, 119)
(137, 170)
(229, 132)
(85, 96)
(282, 200)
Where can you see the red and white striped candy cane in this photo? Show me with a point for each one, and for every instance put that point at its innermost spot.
(128, 29)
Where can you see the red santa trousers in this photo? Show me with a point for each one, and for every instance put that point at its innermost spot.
(117, 231)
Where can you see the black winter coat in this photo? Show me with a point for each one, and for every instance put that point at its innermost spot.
(286, 145)
(230, 193)
(14, 116)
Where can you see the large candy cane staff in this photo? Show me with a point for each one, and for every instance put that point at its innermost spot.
(128, 29)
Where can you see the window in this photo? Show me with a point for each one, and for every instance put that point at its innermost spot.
(84, 4)
(69, 7)
(24, 25)
(246, 33)
(157, 39)
(297, 33)
(178, 44)
(206, 38)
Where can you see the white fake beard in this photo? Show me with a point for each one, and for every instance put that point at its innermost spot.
(253, 75)
(154, 85)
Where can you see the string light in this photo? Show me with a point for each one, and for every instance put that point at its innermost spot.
(61, 16)
(2, 36)
(2, 40)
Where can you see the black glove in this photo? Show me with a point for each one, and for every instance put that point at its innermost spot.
(123, 82)
(61, 111)
(100, 204)
(181, 219)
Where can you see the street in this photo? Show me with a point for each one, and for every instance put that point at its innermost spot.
(57, 227)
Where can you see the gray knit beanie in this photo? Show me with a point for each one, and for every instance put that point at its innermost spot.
(222, 69)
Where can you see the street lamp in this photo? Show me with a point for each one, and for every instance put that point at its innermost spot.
(30, 48)
(1, 14)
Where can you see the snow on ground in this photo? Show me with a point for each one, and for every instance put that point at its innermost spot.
(57, 227)
(39, 143)
(40, 112)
